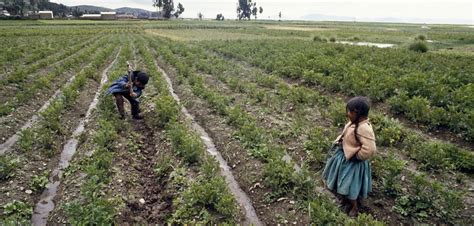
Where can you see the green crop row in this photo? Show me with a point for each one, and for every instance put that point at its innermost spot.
(443, 81)
(392, 133)
(279, 175)
(72, 63)
(207, 199)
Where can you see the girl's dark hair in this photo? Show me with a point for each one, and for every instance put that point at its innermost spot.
(360, 106)
(142, 77)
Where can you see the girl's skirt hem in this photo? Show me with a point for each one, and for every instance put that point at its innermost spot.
(351, 178)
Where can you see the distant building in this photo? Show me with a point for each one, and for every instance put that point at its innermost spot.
(108, 15)
(91, 16)
(45, 14)
(126, 17)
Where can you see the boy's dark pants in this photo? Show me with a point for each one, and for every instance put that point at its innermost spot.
(133, 102)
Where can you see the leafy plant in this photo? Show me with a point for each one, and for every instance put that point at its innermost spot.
(39, 182)
(7, 167)
(17, 212)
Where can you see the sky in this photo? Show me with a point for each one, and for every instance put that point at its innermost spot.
(418, 11)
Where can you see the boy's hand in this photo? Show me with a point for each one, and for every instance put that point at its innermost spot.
(128, 85)
(133, 94)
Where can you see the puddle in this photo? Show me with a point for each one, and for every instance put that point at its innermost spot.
(241, 197)
(370, 44)
(13, 139)
(45, 205)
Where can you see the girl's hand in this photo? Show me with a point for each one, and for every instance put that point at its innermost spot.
(133, 95)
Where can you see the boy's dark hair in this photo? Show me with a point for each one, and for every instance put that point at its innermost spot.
(142, 77)
(361, 106)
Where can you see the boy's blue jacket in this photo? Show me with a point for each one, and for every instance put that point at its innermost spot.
(118, 86)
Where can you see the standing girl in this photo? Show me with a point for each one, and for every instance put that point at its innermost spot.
(348, 172)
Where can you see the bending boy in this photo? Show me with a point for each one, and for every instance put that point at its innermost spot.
(121, 89)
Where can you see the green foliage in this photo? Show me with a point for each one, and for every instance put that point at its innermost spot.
(99, 211)
(26, 140)
(337, 113)
(318, 39)
(282, 178)
(163, 165)
(420, 37)
(39, 182)
(167, 110)
(332, 39)
(389, 131)
(17, 212)
(429, 199)
(106, 134)
(186, 145)
(439, 156)
(317, 145)
(389, 171)
(8, 165)
(205, 201)
(417, 109)
(322, 211)
(418, 47)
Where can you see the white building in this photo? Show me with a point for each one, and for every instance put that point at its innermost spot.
(45, 14)
(91, 16)
(108, 15)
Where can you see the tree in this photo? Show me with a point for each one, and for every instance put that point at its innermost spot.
(179, 11)
(246, 8)
(200, 16)
(220, 16)
(167, 7)
(279, 16)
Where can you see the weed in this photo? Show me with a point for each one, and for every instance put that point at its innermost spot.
(39, 182)
(7, 167)
(17, 212)
(420, 47)
(26, 141)
(167, 110)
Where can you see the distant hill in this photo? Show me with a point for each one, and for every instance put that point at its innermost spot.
(132, 11)
(122, 10)
(91, 9)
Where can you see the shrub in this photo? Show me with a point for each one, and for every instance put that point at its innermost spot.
(388, 171)
(332, 39)
(26, 141)
(202, 200)
(7, 167)
(317, 145)
(185, 144)
(420, 37)
(418, 47)
(318, 39)
(17, 213)
(167, 110)
(418, 109)
(39, 182)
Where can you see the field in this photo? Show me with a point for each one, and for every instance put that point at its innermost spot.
(239, 120)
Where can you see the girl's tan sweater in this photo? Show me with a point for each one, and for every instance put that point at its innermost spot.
(363, 149)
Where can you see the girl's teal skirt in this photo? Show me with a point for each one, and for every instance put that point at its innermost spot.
(351, 178)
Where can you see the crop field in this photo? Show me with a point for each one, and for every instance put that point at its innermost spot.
(239, 120)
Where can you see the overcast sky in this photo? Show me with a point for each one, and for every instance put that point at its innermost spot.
(453, 11)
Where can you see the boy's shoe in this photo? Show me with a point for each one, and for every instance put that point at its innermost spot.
(137, 117)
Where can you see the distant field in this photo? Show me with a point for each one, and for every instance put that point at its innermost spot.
(269, 97)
